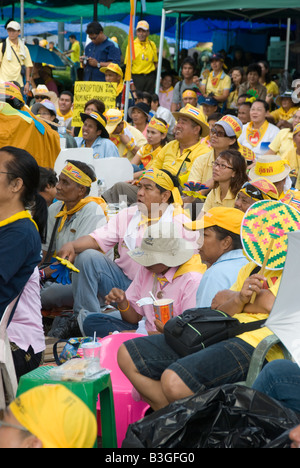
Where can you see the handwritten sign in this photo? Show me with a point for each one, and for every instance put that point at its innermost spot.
(86, 90)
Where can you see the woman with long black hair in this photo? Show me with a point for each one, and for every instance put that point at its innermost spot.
(22, 227)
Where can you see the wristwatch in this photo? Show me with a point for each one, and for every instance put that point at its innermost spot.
(98, 65)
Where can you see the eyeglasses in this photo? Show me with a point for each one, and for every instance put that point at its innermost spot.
(252, 191)
(221, 166)
(219, 133)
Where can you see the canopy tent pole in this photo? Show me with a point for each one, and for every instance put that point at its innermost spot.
(287, 45)
(22, 18)
(161, 49)
(127, 83)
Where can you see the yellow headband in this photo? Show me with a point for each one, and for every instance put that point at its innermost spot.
(158, 125)
(163, 180)
(189, 93)
(270, 168)
(77, 175)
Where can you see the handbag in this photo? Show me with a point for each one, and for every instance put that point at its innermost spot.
(70, 350)
(196, 329)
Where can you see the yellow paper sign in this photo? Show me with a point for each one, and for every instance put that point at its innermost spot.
(86, 90)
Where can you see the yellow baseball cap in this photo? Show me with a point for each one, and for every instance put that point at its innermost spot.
(226, 218)
(56, 416)
(114, 67)
(143, 25)
(193, 113)
(113, 117)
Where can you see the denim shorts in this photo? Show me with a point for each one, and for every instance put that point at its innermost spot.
(222, 363)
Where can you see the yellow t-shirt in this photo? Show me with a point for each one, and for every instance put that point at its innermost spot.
(145, 57)
(223, 84)
(294, 160)
(75, 54)
(273, 278)
(213, 199)
(178, 164)
(201, 170)
(272, 88)
(281, 114)
(283, 142)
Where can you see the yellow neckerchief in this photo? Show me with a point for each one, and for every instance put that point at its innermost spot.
(147, 154)
(65, 116)
(120, 87)
(255, 135)
(194, 264)
(215, 80)
(64, 213)
(21, 215)
(166, 91)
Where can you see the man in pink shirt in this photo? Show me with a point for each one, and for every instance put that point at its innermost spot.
(98, 274)
(169, 269)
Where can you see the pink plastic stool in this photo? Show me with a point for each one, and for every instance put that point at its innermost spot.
(127, 410)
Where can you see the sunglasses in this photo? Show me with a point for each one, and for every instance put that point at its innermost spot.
(218, 133)
(252, 191)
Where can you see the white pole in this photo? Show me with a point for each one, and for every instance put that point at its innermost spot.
(287, 45)
(22, 18)
(161, 48)
(127, 83)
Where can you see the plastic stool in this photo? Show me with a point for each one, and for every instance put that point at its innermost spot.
(127, 409)
(88, 392)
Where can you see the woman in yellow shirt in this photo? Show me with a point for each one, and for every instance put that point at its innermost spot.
(229, 175)
(218, 82)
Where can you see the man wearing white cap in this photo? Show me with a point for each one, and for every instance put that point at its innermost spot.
(15, 60)
(145, 59)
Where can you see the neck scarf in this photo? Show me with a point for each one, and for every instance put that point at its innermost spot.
(20, 46)
(254, 135)
(147, 154)
(215, 80)
(65, 116)
(64, 213)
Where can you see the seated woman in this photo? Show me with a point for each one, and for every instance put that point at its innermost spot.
(229, 175)
(139, 114)
(283, 142)
(223, 136)
(258, 133)
(21, 253)
(237, 78)
(266, 80)
(162, 376)
(286, 109)
(252, 85)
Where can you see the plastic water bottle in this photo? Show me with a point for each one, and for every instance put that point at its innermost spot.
(101, 187)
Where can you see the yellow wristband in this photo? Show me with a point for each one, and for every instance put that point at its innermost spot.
(125, 310)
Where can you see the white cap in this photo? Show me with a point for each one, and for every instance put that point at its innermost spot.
(14, 25)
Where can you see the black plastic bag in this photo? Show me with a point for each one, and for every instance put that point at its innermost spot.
(230, 416)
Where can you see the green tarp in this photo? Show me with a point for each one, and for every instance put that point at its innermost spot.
(243, 8)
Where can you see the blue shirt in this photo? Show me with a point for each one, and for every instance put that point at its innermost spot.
(20, 253)
(102, 147)
(221, 275)
(107, 51)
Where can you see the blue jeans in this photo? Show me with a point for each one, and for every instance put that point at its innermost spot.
(103, 324)
(280, 379)
(222, 363)
(98, 275)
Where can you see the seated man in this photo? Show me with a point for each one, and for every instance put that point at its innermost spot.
(95, 136)
(74, 215)
(253, 191)
(161, 375)
(168, 267)
(98, 275)
(221, 251)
